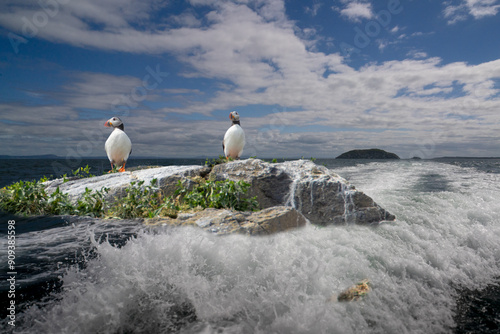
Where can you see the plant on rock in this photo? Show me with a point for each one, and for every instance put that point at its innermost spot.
(143, 201)
(220, 160)
(31, 198)
(217, 194)
(140, 201)
(92, 203)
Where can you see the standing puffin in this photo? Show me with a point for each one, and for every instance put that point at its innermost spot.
(118, 146)
(234, 139)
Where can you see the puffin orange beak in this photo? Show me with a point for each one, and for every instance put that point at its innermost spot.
(231, 116)
(107, 124)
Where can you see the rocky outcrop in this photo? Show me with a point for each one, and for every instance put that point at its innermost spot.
(167, 178)
(315, 191)
(287, 193)
(219, 221)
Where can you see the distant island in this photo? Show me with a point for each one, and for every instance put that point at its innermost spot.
(43, 156)
(373, 153)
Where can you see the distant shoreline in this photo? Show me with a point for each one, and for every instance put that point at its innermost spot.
(438, 158)
(56, 157)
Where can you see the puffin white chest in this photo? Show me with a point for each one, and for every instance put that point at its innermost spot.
(234, 141)
(118, 147)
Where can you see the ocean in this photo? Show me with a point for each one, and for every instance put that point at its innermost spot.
(436, 269)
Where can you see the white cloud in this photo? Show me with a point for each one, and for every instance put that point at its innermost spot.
(254, 56)
(98, 90)
(355, 11)
(476, 8)
(186, 19)
(395, 29)
(482, 8)
(417, 54)
(382, 44)
(313, 10)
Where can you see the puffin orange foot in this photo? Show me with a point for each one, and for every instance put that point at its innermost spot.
(122, 169)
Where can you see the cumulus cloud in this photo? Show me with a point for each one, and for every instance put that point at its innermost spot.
(356, 10)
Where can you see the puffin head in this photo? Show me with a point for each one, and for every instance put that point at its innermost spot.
(113, 122)
(233, 116)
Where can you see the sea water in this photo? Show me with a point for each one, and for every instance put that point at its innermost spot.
(88, 276)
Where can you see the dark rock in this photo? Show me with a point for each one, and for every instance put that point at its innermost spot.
(318, 193)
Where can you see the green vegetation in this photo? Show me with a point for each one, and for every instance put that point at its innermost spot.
(92, 203)
(82, 172)
(143, 201)
(30, 198)
(79, 173)
(218, 195)
(115, 169)
(220, 160)
(146, 201)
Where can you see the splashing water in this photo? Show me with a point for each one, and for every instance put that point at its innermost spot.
(182, 279)
(349, 206)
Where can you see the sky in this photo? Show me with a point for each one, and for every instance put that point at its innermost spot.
(311, 78)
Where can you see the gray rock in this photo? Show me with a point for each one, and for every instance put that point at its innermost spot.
(285, 191)
(318, 193)
(117, 182)
(220, 221)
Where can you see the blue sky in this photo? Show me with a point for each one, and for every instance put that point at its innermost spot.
(309, 78)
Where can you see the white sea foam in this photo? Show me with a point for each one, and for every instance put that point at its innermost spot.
(447, 235)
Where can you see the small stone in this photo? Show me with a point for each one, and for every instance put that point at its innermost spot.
(355, 292)
(203, 222)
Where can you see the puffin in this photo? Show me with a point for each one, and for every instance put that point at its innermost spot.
(118, 146)
(234, 139)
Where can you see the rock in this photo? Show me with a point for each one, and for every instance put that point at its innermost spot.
(269, 182)
(117, 182)
(286, 192)
(315, 191)
(221, 221)
(373, 153)
(354, 293)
